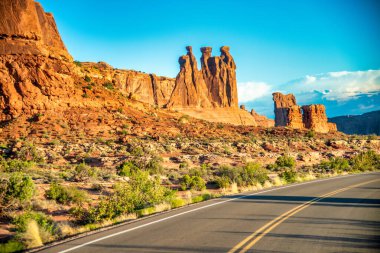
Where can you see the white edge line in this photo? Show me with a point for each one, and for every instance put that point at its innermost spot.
(199, 208)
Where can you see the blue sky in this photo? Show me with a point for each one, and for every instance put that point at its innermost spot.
(272, 41)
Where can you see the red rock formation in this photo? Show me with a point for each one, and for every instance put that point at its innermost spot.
(261, 120)
(26, 29)
(190, 89)
(219, 74)
(286, 111)
(314, 117)
(213, 86)
(31, 84)
(147, 88)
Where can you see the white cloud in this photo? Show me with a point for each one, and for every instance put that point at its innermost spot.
(249, 91)
(364, 107)
(310, 79)
(339, 74)
(337, 86)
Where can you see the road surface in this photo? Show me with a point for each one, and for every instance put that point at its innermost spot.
(332, 215)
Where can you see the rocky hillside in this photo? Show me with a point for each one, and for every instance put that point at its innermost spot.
(367, 123)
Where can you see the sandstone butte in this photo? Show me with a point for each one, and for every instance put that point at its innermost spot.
(37, 73)
(289, 114)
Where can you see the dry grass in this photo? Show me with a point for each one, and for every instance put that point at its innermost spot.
(32, 235)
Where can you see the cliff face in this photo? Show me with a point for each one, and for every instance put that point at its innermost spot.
(212, 86)
(25, 28)
(31, 84)
(147, 88)
(35, 68)
(367, 123)
(288, 113)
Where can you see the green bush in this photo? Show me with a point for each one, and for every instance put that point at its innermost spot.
(29, 152)
(176, 202)
(154, 165)
(43, 221)
(15, 165)
(83, 172)
(65, 194)
(223, 182)
(289, 175)
(366, 161)
(201, 198)
(249, 174)
(310, 134)
(87, 79)
(337, 165)
(108, 86)
(127, 169)
(285, 161)
(140, 192)
(254, 172)
(193, 183)
(16, 190)
(11, 246)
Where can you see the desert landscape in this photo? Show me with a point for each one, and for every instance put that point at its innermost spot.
(85, 146)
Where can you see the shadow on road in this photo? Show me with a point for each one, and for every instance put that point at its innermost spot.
(331, 201)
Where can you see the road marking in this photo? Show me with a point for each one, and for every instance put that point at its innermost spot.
(264, 230)
(196, 209)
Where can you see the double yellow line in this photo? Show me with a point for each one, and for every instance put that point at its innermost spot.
(252, 239)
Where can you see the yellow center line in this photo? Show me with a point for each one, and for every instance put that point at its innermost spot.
(257, 235)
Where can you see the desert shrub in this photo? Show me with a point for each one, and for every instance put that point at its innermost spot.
(310, 134)
(29, 152)
(11, 246)
(289, 175)
(127, 169)
(137, 151)
(223, 182)
(140, 192)
(200, 171)
(78, 63)
(17, 189)
(154, 165)
(184, 165)
(184, 119)
(366, 161)
(83, 172)
(108, 86)
(285, 161)
(249, 174)
(201, 198)
(65, 194)
(254, 172)
(193, 183)
(43, 221)
(176, 202)
(232, 173)
(87, 78)
(15, 165)
(337, 165)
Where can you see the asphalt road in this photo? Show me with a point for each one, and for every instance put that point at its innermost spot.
(334, 215)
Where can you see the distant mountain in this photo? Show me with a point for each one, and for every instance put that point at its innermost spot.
(367, 123)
